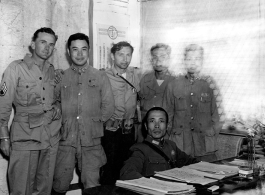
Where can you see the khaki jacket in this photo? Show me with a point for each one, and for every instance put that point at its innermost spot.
(151, 93)
(193, 115)
(31, 92)
(87, 102)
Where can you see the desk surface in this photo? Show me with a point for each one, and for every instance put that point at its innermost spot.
(256, 187)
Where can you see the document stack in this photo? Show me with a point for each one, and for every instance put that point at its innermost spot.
(202, 173)
(154, 186)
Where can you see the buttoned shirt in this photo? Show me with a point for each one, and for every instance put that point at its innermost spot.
(31, 92)
(124, 94)
(87, 102)
(193, 115)
(151, 93)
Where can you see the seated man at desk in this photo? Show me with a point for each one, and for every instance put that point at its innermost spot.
(155, 153)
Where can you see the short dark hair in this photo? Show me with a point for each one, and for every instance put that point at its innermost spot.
(118, 46)
(161, 45)
(45, 30)
(77, 36)
(193, 47)
(155, 109)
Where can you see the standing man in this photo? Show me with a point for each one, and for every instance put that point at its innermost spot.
(153, 84)
(87, 102)
(32, 142)
(192, 109)
(119, 133)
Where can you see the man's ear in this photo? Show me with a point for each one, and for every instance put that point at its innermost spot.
(145, 126)
(112, 56)
(32, 45)
(68, 51)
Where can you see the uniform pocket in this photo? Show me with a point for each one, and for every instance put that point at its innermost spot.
(180, 103)
(210, 141)
(155, 164)
(97, 127)
(33, 99)
(23, 89)
(205, 103)
(35, 119)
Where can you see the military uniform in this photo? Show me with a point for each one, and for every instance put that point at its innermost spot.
(87, 102)
(144, 160)
(193, 116)
(34, 135)
(151, 93)
(116, 143)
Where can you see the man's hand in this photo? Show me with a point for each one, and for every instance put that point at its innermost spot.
(5, 146)
(58, 75)
(57, 113)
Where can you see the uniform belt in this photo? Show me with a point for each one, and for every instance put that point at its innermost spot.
(31, 109)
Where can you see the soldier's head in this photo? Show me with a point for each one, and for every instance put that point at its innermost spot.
(156, 122)
(193, 58)
(78, 48)
(121, 54)
(160, 56)
(43, 43)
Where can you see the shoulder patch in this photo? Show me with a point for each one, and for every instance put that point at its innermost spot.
(3, 89)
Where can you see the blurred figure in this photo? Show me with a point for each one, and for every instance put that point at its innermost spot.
(153, 84)
(87, 102)
(119, 134)
(146, 157)
(32, 142)
(191, 105)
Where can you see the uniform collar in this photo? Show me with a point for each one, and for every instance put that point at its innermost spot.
(30, 62)
(81, 69)
(155, 142)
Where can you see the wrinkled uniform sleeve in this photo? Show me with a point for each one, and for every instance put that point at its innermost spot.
(168, 104)
(133, 166)
(108, 104)
(215, 116)
(8, 89)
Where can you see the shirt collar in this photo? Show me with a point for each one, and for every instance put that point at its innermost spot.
(81, 69)
(30, 61)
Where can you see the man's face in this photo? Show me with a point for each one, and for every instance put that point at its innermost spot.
(79, 52)
(160, 60)
(43, 46)
(193, 61)
(156, 124)
(122, 58)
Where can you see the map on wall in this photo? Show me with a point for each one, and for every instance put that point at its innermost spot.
(107, 36)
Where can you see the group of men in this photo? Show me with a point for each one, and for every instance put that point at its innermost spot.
(89, 117)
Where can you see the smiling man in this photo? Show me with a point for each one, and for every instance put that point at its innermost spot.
(155, 153)
(87, 102)
(32, 141)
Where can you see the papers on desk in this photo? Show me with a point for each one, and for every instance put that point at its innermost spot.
(200, 173)
(215, 171)
(186, 175)
(155, 186)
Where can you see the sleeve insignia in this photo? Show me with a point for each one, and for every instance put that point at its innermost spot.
(3, 89)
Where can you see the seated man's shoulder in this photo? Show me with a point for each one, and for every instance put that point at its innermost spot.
(139, 146)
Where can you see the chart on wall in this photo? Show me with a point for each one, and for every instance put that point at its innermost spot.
(107, 36)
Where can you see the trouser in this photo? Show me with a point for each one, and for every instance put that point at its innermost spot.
(31, 172)
(116, 146)
(89, 161)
